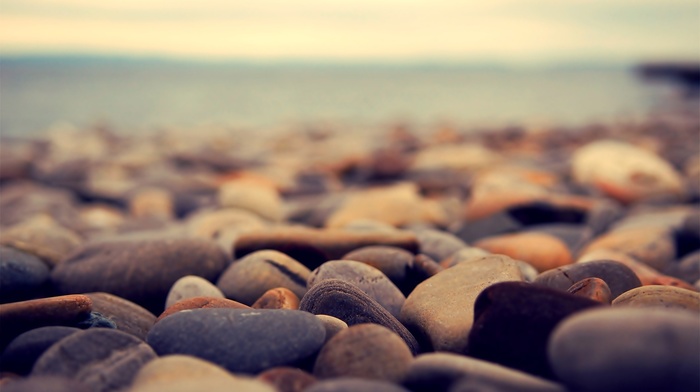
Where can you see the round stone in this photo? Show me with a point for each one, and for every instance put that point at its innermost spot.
(438, 245)
(592, 288)
(25, 349)
(333, 325)
(618, 276)
(279, 298)
(191, 286)
(264, 201)
(393, 262)
(653, 246)
(660, 297)
(21, 274)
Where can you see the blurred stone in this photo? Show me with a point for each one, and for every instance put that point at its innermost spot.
(42, 237)
(262, 200)
(540, 250)
(21, 275)
(191, 286)
(287, 379)
(152, 202)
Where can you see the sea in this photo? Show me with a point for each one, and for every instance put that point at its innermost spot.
(138, 95)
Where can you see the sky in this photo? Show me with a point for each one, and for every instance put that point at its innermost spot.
(521, 31)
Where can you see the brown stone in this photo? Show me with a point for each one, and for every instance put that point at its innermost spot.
(287, 379)
(199, 303)
(540, 250)
(279, 298)
(592, 288)
(128, 316)
(660, 297)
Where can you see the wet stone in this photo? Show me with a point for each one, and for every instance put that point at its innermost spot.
(367, 351)
(592, 288)
(103, 359)
(367, 278)
(287, 379)
(279, 298)
(45, 384)
(201, 303)
(619, 277)
(659, 297)
(352, 384)
(191, 286)
(21, 274)
(245, 341)
(250, 277)
(348, 303)
(540, 250)
(513, 322)
(127, 316)
(19, 356)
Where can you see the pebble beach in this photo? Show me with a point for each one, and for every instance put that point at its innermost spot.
(323, 259)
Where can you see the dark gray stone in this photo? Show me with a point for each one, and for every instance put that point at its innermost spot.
(618, 276)
(19, 356)
(20, 274)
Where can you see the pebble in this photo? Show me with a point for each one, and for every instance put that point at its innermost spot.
(687, 268)
(250, 277)
(279, 298)
(367, 278)
(513, 321)
(21, 274)
(142, 271)
(333, 325)
(660, 296)
(211, 223)
(152, 202)
(102, 359)
(540, 250)
(312, 247)
(43, 238)
(652, 246)
(287, 379)
(245, 341)
(191, 286)
(262, 200)
(592, 288)
(367, 351)
(658, 350)
(617, 276)
(352, 384)
(466, 254)
(45, 384)
(127, 316)
(438, 245)
(443, 371)
(201, 303)
(395, 263)
(19, 356)
(440, 311)
(348, 303)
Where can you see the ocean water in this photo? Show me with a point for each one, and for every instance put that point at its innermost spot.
(133, 96)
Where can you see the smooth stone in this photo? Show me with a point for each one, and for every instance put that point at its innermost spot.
(540, 250)
(652, 246)
(103, 359)
(42, 238)
(395, 263)
(19, 317)
(438, 245)
(616, 349)
(367, 278)
(367, 351)
(246, 341)
(19, 356)
(349, 384)
(210, 224)
(152, 202)
(687, 268)
(494, 224)
(182, 373)
(617, 275)
(661, 297)
(513, 321)
(128, 316)
(347, 302)
(191, 286)
(45, 384)
(287, 379)
(19, 202)
(466, 254)
(368, 225)
(592, 288)
(279, 298)
(462, 157)
(250, 277)
(625, 172)
(441, 371)
(262, 200)
(21, 274)
(312, 247)
(574, 236)
(423, 268)
(440, 311)
(142, 271)
(333, 325)
(201, 303)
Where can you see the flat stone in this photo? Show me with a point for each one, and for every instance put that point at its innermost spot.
(592, 288)
(367, 278)
(333, 325)
(351, 384)
(128, 316)
(103, 359)
(614, 349)
(202, 303)
(287, 379)
(142, 271)
(653, 246)
(19, 356)
(661, 297)
(440, 371)
(250, 277)
(345, 301)
(191, 286)
(618, 277)
(246, 341)
(21, 274)
(540, 250)
(441, 309)
(45, 384)
(279, 298)
(312, 247)
(513, 322)
(43, 238)
(367, 351)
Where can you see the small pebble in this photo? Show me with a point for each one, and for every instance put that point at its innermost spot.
(191, 286)
(279, 298)
(287, 379)
(617, 276)
(592, 288)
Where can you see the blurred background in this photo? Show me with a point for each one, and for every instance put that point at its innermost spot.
(152, 64)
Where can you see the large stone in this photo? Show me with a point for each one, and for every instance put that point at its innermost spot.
(126, 315)
(43, 238)
(628, 349)
(25, 349)
(440, 311)
(659, 297)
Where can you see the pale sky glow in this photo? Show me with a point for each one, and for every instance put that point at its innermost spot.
(500, 30)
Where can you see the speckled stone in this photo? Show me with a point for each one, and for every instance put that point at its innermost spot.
(367, 278)
(591, 288)
(618, 276)
(440, 371)
(367, 351)
(45, 384)
(345, 301)
(191, 286)
(21, 274)
(615, 349)
(142, 271)
(128, 316)
(201, 303)
(103, 359)
(441, 309)
(352, 384)
(246, 341)
(287, 379)
(540, 250)
(19, 356)
(250, 277)
(313, 247)
(513, 322)
(660, 296)
(279, 298)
